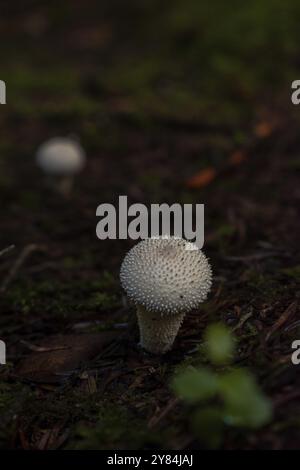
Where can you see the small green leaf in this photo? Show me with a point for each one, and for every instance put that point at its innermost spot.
(245, 404)
(195, 385)
(219, 343)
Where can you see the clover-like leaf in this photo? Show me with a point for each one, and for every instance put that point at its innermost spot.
(245, 404)
(219, 344)
(194, 385)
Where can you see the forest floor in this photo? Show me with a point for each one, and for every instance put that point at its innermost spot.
(186, 117)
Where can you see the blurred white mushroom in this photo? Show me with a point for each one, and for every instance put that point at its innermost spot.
(165, 278)
(61, 158)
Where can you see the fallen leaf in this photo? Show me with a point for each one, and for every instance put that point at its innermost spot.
(263, 129)
(237, 157)
(202, 179)
(52, 439)
(57, 357)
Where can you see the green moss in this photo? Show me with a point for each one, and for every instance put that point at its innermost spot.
(114, 426)
(6, 395)
(102, 301)
(263, 283)
(293, 272)
(225, 231)
(27, 296)
(30, 200)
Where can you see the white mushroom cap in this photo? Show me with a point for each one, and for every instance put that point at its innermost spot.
(166, 275)
(61, 156)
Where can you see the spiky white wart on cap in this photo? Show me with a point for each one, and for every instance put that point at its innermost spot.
(165, 278)
(61, 156)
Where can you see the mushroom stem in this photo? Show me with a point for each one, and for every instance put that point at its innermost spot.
(61, 184)
(65, 185)
(157, 333)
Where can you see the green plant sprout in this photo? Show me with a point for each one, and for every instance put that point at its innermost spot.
(222, 396)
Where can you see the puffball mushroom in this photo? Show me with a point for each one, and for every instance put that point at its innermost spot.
(165, 278)
(61, 158)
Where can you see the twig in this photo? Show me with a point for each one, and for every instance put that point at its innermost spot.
(7, 250)
(35, 348)
(242, 321)
(282, 319)
(156, 419)
(17, 265)
(293, 325)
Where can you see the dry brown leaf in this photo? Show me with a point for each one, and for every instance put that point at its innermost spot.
(202, 179)
(237, 157)
(264, 129)
(60, 356)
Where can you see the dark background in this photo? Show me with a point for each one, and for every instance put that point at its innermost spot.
(181, 101)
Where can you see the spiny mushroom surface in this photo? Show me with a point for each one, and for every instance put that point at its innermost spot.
(61, 158)
(165, 278)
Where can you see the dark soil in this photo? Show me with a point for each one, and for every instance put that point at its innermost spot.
(156, 95)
